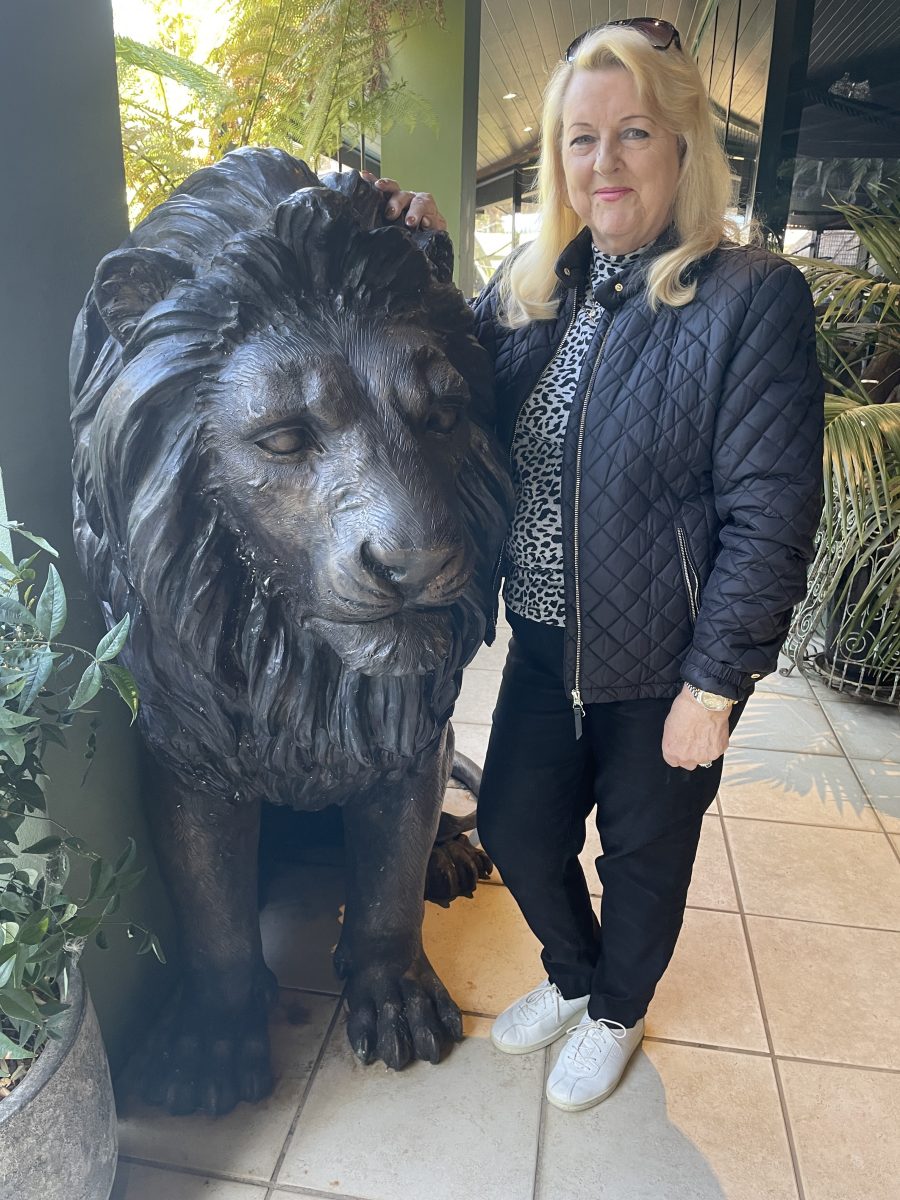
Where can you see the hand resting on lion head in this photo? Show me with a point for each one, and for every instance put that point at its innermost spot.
(285, 472)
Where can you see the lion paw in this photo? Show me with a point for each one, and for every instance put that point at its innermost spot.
(397, 1017)
(197, 1058)
(454, 868)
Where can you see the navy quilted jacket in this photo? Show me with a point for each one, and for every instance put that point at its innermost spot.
(692, 471)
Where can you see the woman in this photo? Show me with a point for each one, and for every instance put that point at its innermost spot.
(659, 396)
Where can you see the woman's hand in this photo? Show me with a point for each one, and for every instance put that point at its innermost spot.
(417, 209)
(692, 735)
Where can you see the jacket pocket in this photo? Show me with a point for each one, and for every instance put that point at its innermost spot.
(689, 571)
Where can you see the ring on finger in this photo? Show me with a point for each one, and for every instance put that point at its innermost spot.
(709, 764)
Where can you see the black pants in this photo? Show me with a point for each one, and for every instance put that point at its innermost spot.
(539, 786)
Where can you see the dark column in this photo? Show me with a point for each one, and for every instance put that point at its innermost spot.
(62, 206)
(782, 114)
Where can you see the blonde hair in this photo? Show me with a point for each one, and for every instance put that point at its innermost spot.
(669, 84)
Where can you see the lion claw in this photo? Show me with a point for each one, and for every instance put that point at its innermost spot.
(454, 868)
(398, 1018)
(195, 1061)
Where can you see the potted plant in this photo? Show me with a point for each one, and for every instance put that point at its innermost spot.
(57, 1118)
(847, 630)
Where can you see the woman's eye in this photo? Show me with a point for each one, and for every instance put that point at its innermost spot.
(636, 134)
(443, 420)
(285, 442)
(583, 139)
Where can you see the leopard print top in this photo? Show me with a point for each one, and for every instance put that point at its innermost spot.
(533, 551)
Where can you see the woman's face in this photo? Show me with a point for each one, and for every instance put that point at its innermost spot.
(621, 168)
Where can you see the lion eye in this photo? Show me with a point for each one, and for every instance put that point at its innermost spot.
(285, 442)
(444, 420)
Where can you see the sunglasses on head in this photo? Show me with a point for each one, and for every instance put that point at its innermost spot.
(660, 34)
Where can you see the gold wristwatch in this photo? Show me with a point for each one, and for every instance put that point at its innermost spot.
(710, 700)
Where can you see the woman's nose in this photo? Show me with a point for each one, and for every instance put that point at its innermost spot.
(606, 158)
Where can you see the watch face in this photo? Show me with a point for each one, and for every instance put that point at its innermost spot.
(713, 703)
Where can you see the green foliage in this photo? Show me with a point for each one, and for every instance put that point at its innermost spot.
(288, 73)
(44, 921)
(856, 573)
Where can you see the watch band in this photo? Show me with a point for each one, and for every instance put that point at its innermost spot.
(718, 703)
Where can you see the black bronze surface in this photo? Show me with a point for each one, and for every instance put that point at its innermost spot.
(284, 472)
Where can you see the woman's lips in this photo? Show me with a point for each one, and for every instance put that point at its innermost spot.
(612, 193)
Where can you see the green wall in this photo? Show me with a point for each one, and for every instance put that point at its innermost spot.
(62, 207)
(441, 65)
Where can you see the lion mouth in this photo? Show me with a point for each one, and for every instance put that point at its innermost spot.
(405, 643)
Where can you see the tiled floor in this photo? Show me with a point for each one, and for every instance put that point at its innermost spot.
(771, 1066)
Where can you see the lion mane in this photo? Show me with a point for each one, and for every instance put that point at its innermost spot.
(235, 694)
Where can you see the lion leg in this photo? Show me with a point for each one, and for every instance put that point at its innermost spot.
(456, 863)
(399, 1009)
(210, 1048)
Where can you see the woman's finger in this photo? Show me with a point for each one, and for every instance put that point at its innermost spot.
(398, 204)
(424, 212)
(418, 209)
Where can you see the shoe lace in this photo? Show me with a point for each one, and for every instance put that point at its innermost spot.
(587, 1039)
(538, 998)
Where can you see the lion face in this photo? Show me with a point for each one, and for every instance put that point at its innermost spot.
(334, 450)
(286, 473)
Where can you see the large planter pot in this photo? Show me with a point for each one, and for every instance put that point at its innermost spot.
(58, 1127)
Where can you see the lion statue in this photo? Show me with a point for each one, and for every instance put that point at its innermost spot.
(285, 472)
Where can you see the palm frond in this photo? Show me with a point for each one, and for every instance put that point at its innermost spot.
(878, 227)
(841, 289)
(301, 70)
(203, 83)
(394, 104)
(862, 468)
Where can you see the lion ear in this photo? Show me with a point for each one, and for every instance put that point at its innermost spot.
(128, 282)
(438, 248)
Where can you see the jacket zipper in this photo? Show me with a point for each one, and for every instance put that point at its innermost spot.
(691, 579)
(577, 704)
(495, 576)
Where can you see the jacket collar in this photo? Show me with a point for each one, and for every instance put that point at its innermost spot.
(574, 265)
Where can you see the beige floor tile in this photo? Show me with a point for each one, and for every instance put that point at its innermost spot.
(493, 657)
(301, 927)
(815, 874)
(467, 1127)
(472, 740)
(136, 1182)
(458, 800)
(777, 722)
(866, 730)
(588, 856)
(708, 995)
(830, 992)
(475, 705)
(814, 789)
(483, 950)
(248, 1141)
(794, 684)
(882, 784)
(711, 883)
(684, 1124)
(845, 1125)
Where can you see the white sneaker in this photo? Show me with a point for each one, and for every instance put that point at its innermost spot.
(536, 1020)
(591, 1063)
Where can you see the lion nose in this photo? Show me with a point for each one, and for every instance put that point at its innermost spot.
(438, 570)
